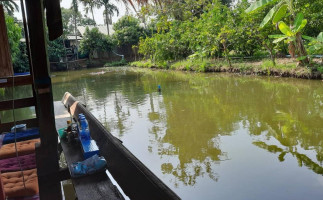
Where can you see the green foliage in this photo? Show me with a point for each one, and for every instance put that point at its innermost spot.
(68, 16)
(56, 49)
(315, 44)
(201, 29)
(281, 12)
(312, 10)
(17, 49)
(150, 64)
(268, 64)
(14, 36)
(257, 5)
(198, 65)
(87, 22)
(93, 41)
(290, 34)
(21, 63)
(122, 62)
(127, 31)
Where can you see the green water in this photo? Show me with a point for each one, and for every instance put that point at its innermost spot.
(212, 136)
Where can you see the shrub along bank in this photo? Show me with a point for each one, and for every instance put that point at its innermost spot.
(283, 68)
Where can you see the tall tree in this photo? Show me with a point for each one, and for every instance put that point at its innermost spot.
(10, 6)
(109, 10)
(75, 8)
(89, 5)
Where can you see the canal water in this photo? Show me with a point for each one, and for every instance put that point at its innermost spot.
(212, 136)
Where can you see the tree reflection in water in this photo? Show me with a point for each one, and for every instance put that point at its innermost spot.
(193, 112)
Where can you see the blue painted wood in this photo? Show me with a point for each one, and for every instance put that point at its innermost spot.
(89, 147)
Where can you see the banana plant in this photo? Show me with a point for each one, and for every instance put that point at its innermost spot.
(276, 13)
(292, 33)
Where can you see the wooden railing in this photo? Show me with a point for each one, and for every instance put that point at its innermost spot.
(18, 81)
(17, 103)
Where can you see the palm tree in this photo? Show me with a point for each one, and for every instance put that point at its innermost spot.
(75, 8)
(10, 6)
(109, 10)
(89, 5)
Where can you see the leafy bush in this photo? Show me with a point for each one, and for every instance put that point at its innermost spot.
(14, 36)
(93, 41)
(127, 31)
(122, 62)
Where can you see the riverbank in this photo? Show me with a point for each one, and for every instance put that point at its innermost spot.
(284, 67)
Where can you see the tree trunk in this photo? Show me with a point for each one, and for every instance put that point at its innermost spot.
(75, 30)
(5, 56)
(106, 19)
(93, 15)
(271, 53)
(226, 53)
(301, 49)
(291, 49)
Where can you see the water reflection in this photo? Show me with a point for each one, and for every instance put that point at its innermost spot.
(187, 133)
(18, 92)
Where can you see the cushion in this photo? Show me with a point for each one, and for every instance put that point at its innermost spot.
(23, 148)
(35, 197)
(14, 186)
(21, 136)
(12, 164)
(2, 195)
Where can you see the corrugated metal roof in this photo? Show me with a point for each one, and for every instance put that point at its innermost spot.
(73, 37)
(102, 29)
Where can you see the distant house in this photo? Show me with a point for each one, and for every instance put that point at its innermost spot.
(72, 40)
(102, 29)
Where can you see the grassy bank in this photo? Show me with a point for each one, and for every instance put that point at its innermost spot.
(284, 67)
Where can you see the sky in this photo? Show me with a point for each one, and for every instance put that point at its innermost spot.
(98, 13)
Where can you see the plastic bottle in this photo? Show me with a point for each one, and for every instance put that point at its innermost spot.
(80, 124)
(84, 132)
(69, 127)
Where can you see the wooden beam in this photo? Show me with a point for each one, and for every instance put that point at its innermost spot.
(64, 174)
(5, 127)
(18, 103)
(46, 151)
(5, 57)
(19, 80)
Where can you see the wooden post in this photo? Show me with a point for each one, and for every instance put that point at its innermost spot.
(5, 57)
(46, 151)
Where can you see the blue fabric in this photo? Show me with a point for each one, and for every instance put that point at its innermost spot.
(89, 166)
(28, 134)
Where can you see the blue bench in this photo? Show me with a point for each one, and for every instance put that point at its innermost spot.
(31, 133)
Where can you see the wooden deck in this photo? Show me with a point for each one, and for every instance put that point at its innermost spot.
(93, 187)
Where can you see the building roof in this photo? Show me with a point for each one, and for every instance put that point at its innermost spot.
(102, 29)
(73, 37)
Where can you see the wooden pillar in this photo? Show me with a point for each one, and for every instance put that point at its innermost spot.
(46, 151)
(5, 57)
